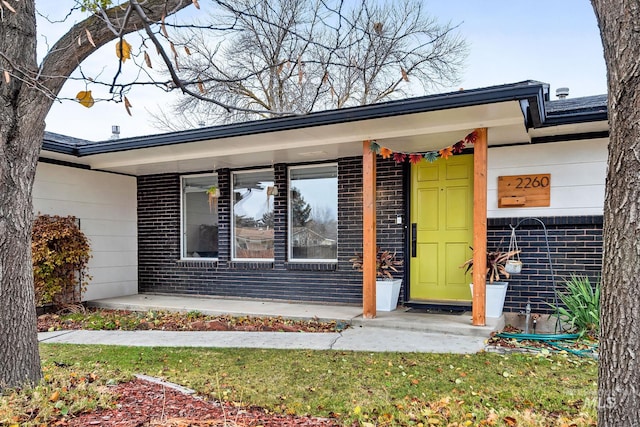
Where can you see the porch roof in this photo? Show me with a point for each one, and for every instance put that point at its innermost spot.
(512, 112)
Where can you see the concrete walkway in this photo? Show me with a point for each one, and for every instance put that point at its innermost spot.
(240, 307)
(398, 331)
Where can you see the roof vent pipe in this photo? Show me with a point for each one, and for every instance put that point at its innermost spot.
(562, 92)
(115, 132)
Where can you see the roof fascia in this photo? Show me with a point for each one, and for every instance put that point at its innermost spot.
(60, 147)
(531, 93)
(572, 118)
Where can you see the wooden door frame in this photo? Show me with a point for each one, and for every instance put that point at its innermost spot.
(369, 178)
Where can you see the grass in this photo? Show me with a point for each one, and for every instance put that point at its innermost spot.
(370, 389)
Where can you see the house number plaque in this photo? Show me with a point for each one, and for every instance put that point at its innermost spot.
(524, 191)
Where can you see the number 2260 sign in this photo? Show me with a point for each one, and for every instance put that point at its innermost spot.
(521, 191)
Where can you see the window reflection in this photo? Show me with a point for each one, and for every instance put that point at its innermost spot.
(253, 194)
(313, 207)
(200, 216)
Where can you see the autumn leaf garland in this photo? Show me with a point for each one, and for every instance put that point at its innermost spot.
(430, 156)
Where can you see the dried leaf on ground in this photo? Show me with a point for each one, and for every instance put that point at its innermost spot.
(103, 319)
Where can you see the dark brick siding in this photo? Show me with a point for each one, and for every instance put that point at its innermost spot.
(576, 248)
(162, 271)
(575, 243)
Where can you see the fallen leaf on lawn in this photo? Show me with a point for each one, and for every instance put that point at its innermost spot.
(492, 417)
(54, 396)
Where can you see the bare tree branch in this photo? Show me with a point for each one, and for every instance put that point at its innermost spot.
(65, 56)
(296, 56)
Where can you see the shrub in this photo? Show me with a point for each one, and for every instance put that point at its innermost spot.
(580, 305)
(60, 252)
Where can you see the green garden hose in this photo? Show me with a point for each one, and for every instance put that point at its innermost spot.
(538, 337)
(553, 340)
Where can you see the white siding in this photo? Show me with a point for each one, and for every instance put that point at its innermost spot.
(105, 203)
(577, 168)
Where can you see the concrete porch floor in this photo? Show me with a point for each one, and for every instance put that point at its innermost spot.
(400, 319)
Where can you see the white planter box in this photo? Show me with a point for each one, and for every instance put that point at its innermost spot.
(495, 295)
(387, 293)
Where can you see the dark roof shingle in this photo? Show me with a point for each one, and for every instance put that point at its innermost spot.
(585, 104)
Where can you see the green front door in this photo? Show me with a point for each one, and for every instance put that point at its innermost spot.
(441, 229)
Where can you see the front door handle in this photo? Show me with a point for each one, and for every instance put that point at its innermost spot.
(414, 239)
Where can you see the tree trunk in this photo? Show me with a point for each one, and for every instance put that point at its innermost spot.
(25, 98)
(619, 370)
(22, 114)
(19, 358)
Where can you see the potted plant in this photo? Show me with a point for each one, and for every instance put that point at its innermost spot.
(496, 289)
(387, 288)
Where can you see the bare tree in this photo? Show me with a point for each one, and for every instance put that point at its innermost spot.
(296, 56)
(619, 365)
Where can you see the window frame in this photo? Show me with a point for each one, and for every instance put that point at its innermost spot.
(290, 257)
(232, 216)
(183, 218)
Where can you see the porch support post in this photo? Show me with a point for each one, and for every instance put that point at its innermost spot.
(368, 231)
(479, 227)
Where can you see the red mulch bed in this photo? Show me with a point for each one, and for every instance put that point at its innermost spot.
(105, 319)
(143, 403)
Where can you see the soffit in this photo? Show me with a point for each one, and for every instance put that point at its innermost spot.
(569, 129)
(412, 132)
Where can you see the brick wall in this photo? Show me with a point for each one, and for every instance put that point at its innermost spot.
(162, 271)
(575, 246)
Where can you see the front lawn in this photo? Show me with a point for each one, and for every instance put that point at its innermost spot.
(368, 389)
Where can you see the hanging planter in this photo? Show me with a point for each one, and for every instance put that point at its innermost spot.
(213, 194)
(513, 265)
